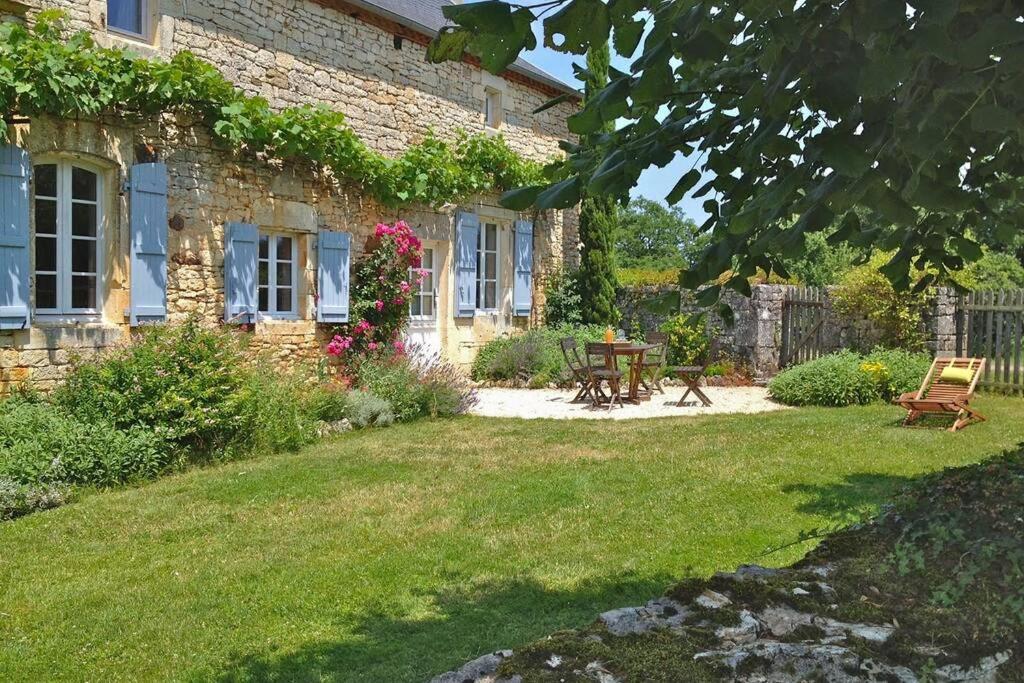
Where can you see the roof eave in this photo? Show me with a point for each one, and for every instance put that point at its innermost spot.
(431, 33)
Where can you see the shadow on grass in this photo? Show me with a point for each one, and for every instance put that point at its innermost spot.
(848, 501)
(467, 621)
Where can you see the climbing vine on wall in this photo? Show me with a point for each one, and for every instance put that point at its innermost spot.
(44, 70)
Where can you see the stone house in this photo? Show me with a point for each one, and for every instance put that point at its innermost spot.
(98, 235)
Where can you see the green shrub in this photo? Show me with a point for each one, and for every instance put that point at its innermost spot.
(396, 381)
(444, 388)
(896, 316)
(368, 410)
(417, 385)
(896, 371)
(279, 411)
(40, 445)
(835, 380)
(21, 499)
(184, 381)
(688, 340)
(562, 300)
(327, 402)
(534, 357)
(647, 277)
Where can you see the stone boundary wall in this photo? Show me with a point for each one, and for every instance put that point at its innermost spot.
(755, 338)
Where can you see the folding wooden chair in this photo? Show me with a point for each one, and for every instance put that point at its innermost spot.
(601, 368)
(947, 389)
(578, 368)
(655, 362)
(693, 374)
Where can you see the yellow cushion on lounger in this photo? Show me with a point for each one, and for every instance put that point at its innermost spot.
(957, 375)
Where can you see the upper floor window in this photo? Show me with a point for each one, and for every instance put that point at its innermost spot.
(128, 16)
(277, 275)
(493, 114)
(68, 216)
(487, 268)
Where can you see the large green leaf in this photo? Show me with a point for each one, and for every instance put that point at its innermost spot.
(561, 195)
(521, 198)
(579, 24)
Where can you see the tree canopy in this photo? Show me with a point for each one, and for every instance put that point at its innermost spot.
(654, 236)
(801, 111)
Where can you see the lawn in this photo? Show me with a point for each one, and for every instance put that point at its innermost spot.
(393, 555)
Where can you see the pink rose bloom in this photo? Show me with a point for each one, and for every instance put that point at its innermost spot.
(372, 346)
(398, 301)
(361, 326)
(404, 286)
(379, 305)
(399, 346)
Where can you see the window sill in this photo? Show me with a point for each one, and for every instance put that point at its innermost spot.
(277, 319)
(130, 37)
(68, 320)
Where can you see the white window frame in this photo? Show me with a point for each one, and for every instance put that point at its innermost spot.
(481, 262)
(419, 293)
(493, 108)
(145, 21)
(65, 312)
(272, 284)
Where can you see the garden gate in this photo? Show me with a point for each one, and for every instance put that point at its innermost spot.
(803, 317)
(991, 325)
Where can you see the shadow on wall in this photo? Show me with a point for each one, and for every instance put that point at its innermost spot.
(467, 623)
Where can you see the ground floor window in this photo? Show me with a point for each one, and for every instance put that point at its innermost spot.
(421, 306)
(277, 275)
(487, 268)
(127, 16)
(68, 216)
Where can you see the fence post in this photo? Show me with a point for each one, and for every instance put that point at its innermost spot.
(941, 328)
(766, 309)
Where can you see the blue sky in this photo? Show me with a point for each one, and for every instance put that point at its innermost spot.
(655, 183)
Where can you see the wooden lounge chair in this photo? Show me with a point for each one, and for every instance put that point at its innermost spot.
(578, 369)
(693, 374)
(601, 368)
(655, 362)
(947, 395)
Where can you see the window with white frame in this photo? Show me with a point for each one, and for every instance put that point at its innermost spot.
(492, 108)
(128, 16)
(421, 306)
(68, 218)
(277, 275)
(487, 268)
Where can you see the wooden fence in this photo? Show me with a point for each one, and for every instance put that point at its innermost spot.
(803, 317)
(991, 325)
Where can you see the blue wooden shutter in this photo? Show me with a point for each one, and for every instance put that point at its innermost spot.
(467, 235)
(522, 285)
(14, 255)
(148, 243)
(241, 240)
(332, 276)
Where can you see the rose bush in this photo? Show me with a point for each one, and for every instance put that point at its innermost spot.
(380, 294)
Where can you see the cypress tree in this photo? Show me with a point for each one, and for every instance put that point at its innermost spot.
(597, 223)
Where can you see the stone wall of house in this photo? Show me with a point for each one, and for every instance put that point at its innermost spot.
(290, 53)
(305, 52)
(209, 187)
(755, 337)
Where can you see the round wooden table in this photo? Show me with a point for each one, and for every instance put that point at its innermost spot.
(635, 353)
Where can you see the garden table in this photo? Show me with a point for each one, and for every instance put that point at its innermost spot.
(635, 353)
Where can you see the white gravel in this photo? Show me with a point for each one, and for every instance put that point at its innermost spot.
(554, 403)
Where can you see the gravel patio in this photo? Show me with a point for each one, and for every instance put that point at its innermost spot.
(555, 404)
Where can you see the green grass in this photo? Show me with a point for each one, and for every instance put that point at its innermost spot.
(393, 555)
